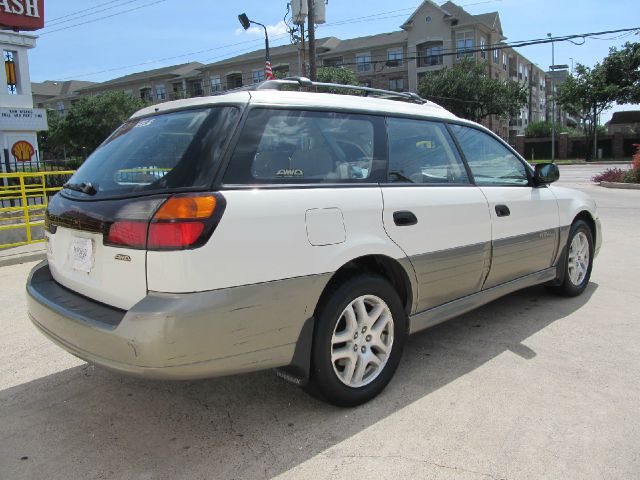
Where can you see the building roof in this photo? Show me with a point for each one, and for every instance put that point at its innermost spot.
(172, 71)
(622, 118)
(489, 19)
(321, 45)
(409, 20)
(369, 42)
(54, 88)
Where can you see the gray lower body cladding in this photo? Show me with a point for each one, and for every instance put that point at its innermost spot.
(184, 336)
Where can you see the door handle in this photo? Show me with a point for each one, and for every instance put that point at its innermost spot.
(502, 211)
(404, 218)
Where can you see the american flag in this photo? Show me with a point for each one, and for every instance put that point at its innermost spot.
(268, 72)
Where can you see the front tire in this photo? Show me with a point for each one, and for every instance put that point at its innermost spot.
(358, 341)
(578, 262)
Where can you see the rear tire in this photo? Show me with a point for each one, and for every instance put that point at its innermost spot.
(359, 336)
(578, 261)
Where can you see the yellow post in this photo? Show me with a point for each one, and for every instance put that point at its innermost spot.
(25, 208)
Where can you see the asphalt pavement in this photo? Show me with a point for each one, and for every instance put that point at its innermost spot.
(531, 386)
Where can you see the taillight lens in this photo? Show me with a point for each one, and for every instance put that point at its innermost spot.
(130, 234)
(182, 221)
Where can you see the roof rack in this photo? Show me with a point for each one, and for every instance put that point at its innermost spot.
(368, 91)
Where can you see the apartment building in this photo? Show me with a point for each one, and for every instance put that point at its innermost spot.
(432, 38)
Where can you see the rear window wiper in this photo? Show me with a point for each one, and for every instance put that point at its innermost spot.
(84, 187)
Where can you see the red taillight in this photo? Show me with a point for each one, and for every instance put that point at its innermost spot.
(130, 234)
(174, 235)
(182, 221)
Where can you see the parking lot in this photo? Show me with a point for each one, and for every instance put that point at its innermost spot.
(530, 386)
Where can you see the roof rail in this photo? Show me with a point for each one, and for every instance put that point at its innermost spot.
(368, 91)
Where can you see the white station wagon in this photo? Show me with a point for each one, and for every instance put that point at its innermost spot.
(307, 232)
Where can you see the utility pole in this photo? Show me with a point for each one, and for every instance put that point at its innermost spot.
(312, 41)
(303, 50)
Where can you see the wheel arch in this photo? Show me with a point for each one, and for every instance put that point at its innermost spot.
(586, 216)
(400, 275)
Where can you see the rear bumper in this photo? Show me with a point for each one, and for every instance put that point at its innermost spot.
(178, 336)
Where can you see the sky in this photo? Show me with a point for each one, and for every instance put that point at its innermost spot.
(97, 40)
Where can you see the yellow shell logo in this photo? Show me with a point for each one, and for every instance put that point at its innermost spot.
(23, 151)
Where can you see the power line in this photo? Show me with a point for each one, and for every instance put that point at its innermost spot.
(86, 10)
(53, 23)
(151, 62)
(104, 17)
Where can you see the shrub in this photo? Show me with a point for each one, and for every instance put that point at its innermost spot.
(610, 175)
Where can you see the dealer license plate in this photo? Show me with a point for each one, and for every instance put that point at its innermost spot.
(81, 254)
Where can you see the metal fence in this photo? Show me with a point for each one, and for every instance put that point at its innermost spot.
(23, 200)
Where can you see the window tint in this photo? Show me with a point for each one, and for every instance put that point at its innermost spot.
(167, 151)
(491, 163)
(423, 152)
(286, 146)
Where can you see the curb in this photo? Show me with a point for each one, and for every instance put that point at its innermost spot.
(22, 258)
(622, 186)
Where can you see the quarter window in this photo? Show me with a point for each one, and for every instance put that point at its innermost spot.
(491, 162)
(422, 152)
(291, 146)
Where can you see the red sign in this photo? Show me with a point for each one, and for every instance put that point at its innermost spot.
(22, 14)
(23, 151)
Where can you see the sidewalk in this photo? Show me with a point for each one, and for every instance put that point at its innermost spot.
(23, 254)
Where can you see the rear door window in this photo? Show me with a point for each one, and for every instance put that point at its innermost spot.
(164, 152)
(422, 151)
(294, 146)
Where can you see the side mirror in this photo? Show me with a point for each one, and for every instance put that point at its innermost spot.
(546, 173)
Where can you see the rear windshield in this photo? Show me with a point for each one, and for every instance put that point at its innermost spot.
(164, 152)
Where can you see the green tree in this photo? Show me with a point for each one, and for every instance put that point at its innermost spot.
(542, 129)
(340, 75)
(587, 94)
(466, 90)
(89, 122)
(622, 68)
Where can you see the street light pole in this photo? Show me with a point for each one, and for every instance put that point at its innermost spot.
(553, 102)
(246, 23)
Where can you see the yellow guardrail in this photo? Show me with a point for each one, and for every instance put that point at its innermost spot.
(18, 190)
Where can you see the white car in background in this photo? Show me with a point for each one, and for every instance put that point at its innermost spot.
(307, 232)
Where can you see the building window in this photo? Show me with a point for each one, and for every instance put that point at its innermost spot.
(496, 55)
(464, 44)
(10, 70)
(61, 108)
(332, 62)
(520, 72)
(145, 94)
(483, 46)
(504, 62)
(195, 88)
(431, 56)
(216, 84)
(363, 62)
(396, 84)
(161, 92)
(281, 71)
(394, 57)
(257, 76)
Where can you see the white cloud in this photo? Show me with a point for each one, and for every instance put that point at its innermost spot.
(277, 29)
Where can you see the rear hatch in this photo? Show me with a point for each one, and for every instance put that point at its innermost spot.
(145, 188)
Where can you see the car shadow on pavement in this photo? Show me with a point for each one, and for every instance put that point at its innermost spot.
(86, 422)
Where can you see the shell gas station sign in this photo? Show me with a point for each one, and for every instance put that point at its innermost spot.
(22, 14)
